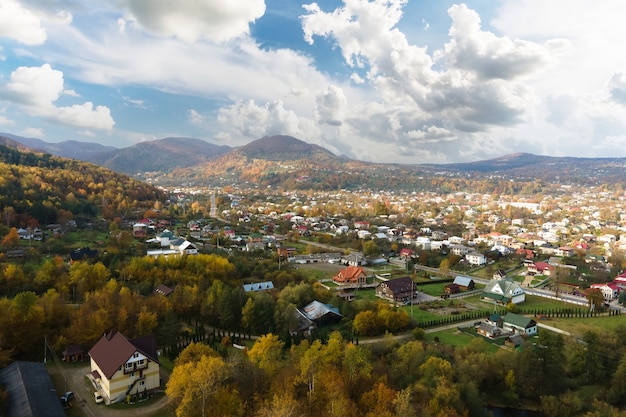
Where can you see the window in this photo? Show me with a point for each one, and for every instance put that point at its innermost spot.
(132, 374)
(142, 383)
(140, 362)
(135, 355)
(128, 366)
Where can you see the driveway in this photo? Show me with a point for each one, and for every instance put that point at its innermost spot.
(76, 381)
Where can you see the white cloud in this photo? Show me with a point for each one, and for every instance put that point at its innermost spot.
(37, 88)
(70, 93)
(196, 118)
(20, 24)
(191, 20)
(34, 132)
(472, 85)
(5, 121)
(246, 119)
(486, 55)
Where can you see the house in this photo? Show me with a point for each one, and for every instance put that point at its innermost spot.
(258, 286)
(525, 253)
(73, 353)
(178, 247)
(406, 253)
(140, 229)
(184, 247)
(539, 268)
(564, 251)
(489, 330)
(499, 274)
(312, 315)
(321, 313)
(121, 366)
(346, 296)
(464, 283)
(451, 289)
(350, 275)
(399, 290)
(163, 290)
(610, 291)
(82, 254)
(519, 324)
(475, 258)
(30, 392)
(503, 291)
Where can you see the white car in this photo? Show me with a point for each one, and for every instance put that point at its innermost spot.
(99, 399)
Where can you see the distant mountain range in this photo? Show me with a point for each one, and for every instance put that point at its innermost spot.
(291, 163)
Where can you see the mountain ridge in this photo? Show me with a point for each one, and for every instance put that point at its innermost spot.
(285, 161)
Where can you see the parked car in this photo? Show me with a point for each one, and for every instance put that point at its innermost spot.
(66, 398)
(99, 399)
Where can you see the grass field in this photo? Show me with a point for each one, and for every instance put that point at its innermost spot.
(456, 338)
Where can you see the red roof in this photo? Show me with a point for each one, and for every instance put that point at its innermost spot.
(349, 274)
(114, 350)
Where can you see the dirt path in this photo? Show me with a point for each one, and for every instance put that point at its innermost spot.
(76, 381)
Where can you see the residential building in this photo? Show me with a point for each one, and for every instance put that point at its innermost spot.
(350, 275)
(520, 324)
(399, 290)
(503, 291)
(121, 366)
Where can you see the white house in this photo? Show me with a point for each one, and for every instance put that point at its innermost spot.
(475, 258)
(503, 291)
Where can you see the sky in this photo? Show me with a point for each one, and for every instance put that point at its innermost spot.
(402, 81)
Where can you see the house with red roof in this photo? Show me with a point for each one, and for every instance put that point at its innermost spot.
(122, 367)
(610, 290)
(350, 275)
(539, 268)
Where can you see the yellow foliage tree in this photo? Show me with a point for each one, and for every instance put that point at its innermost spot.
(194, 385)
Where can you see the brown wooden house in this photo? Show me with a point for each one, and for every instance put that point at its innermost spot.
(399, 290)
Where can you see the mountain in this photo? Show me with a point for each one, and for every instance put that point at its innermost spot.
(283, 148)
(290, 163)
(66, 149)
(161, 155)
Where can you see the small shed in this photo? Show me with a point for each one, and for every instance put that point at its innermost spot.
(73, 353)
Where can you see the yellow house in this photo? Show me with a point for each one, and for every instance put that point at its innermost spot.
(122, 367)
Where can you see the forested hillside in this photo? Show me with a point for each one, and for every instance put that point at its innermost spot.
(44, 189)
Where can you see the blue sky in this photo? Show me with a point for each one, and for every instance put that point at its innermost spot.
(385, 81)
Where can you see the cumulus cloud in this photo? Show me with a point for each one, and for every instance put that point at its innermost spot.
(37, 88)
(486, 55)
(246, 119)
(20, 24)
(191, 20)
(474, 84)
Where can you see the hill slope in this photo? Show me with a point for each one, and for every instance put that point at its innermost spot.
(161, 155)
(66, 149)
(50, 189)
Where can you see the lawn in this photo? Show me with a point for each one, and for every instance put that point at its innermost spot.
(578, 326)
(456, 338)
